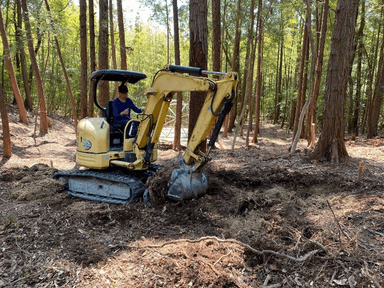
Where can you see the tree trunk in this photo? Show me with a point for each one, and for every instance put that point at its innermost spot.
(244, 82)
(123, 53)
(7, 145)
(23, 63)
(179, 99)
(103, 50)
(368, 91)
(302, 78)
(36, 72)
(223, 21)
(83, 56)
(113, 48)
(198, 54)
(11, 72)
(249, 79)
(167, 23)
(4, 51)
(360, 44)
(377, 100)
(331, 143)
(319, 68)
(40, 35)
(92, 53)
(230, 118)
(351, 80)
(278, 97)
(259, 72)
(216, 35)
(74, 115)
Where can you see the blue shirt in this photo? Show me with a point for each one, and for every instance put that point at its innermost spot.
(119, 107)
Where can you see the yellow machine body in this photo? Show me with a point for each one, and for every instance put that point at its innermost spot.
(101, 144)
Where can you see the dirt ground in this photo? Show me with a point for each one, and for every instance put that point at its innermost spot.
(269, 219)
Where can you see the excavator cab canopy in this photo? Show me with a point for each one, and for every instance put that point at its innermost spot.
(122, 76)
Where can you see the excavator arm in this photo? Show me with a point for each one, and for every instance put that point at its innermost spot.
(188, 181)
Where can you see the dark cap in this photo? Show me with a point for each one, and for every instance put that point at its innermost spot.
(123, 89)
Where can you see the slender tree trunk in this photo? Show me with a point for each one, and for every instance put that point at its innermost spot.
(11, 72)
(259, 72)
(216, 35)
(351, 80)
(249, 79)
(311, 75)
(246, 73)
(83, 57)
(230, 118)
(4, 50)
(278, 97)
(92, 53)
(198, 53)
(103, 50)
(368, 92)
(7, 145)
(222, 48)
(319, 68)
(360, 44)
(179, 99)
(167, 19)
(40, 35)
(36, 72)
(113, 48)
(377, 100)
(216, 42)
(74, 115)
(286, 84)
(123, 53)
(23, 62)
(331, 142)
(302, 78)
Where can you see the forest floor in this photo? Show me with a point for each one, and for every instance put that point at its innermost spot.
(269, 219)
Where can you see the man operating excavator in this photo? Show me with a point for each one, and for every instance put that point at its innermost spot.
(122, 107)
(106, 152)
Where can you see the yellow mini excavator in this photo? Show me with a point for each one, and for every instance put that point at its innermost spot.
(119, 162)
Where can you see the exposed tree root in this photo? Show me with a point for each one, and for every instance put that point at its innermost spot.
(233, 241)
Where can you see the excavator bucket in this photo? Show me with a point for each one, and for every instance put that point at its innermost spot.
(186, 184)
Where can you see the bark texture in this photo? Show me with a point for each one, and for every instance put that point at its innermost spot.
(318, 71)
(92, 53)
(179, 99)
(83, 56)
(7, 146)
(11, 73)
(331, 143)
(198, 53)
(123, 53)
(36, 72)
(103, 50)
(64, 69)
(23, 62)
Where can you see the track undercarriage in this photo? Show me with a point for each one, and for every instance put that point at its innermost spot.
(110, 186)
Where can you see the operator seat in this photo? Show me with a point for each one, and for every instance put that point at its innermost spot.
(108, 112)
(116, 135)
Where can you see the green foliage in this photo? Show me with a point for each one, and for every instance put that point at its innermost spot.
(146, 44)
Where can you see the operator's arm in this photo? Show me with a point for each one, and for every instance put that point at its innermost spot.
(133, 106)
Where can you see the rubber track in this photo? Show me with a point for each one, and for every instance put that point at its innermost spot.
(135, 183)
